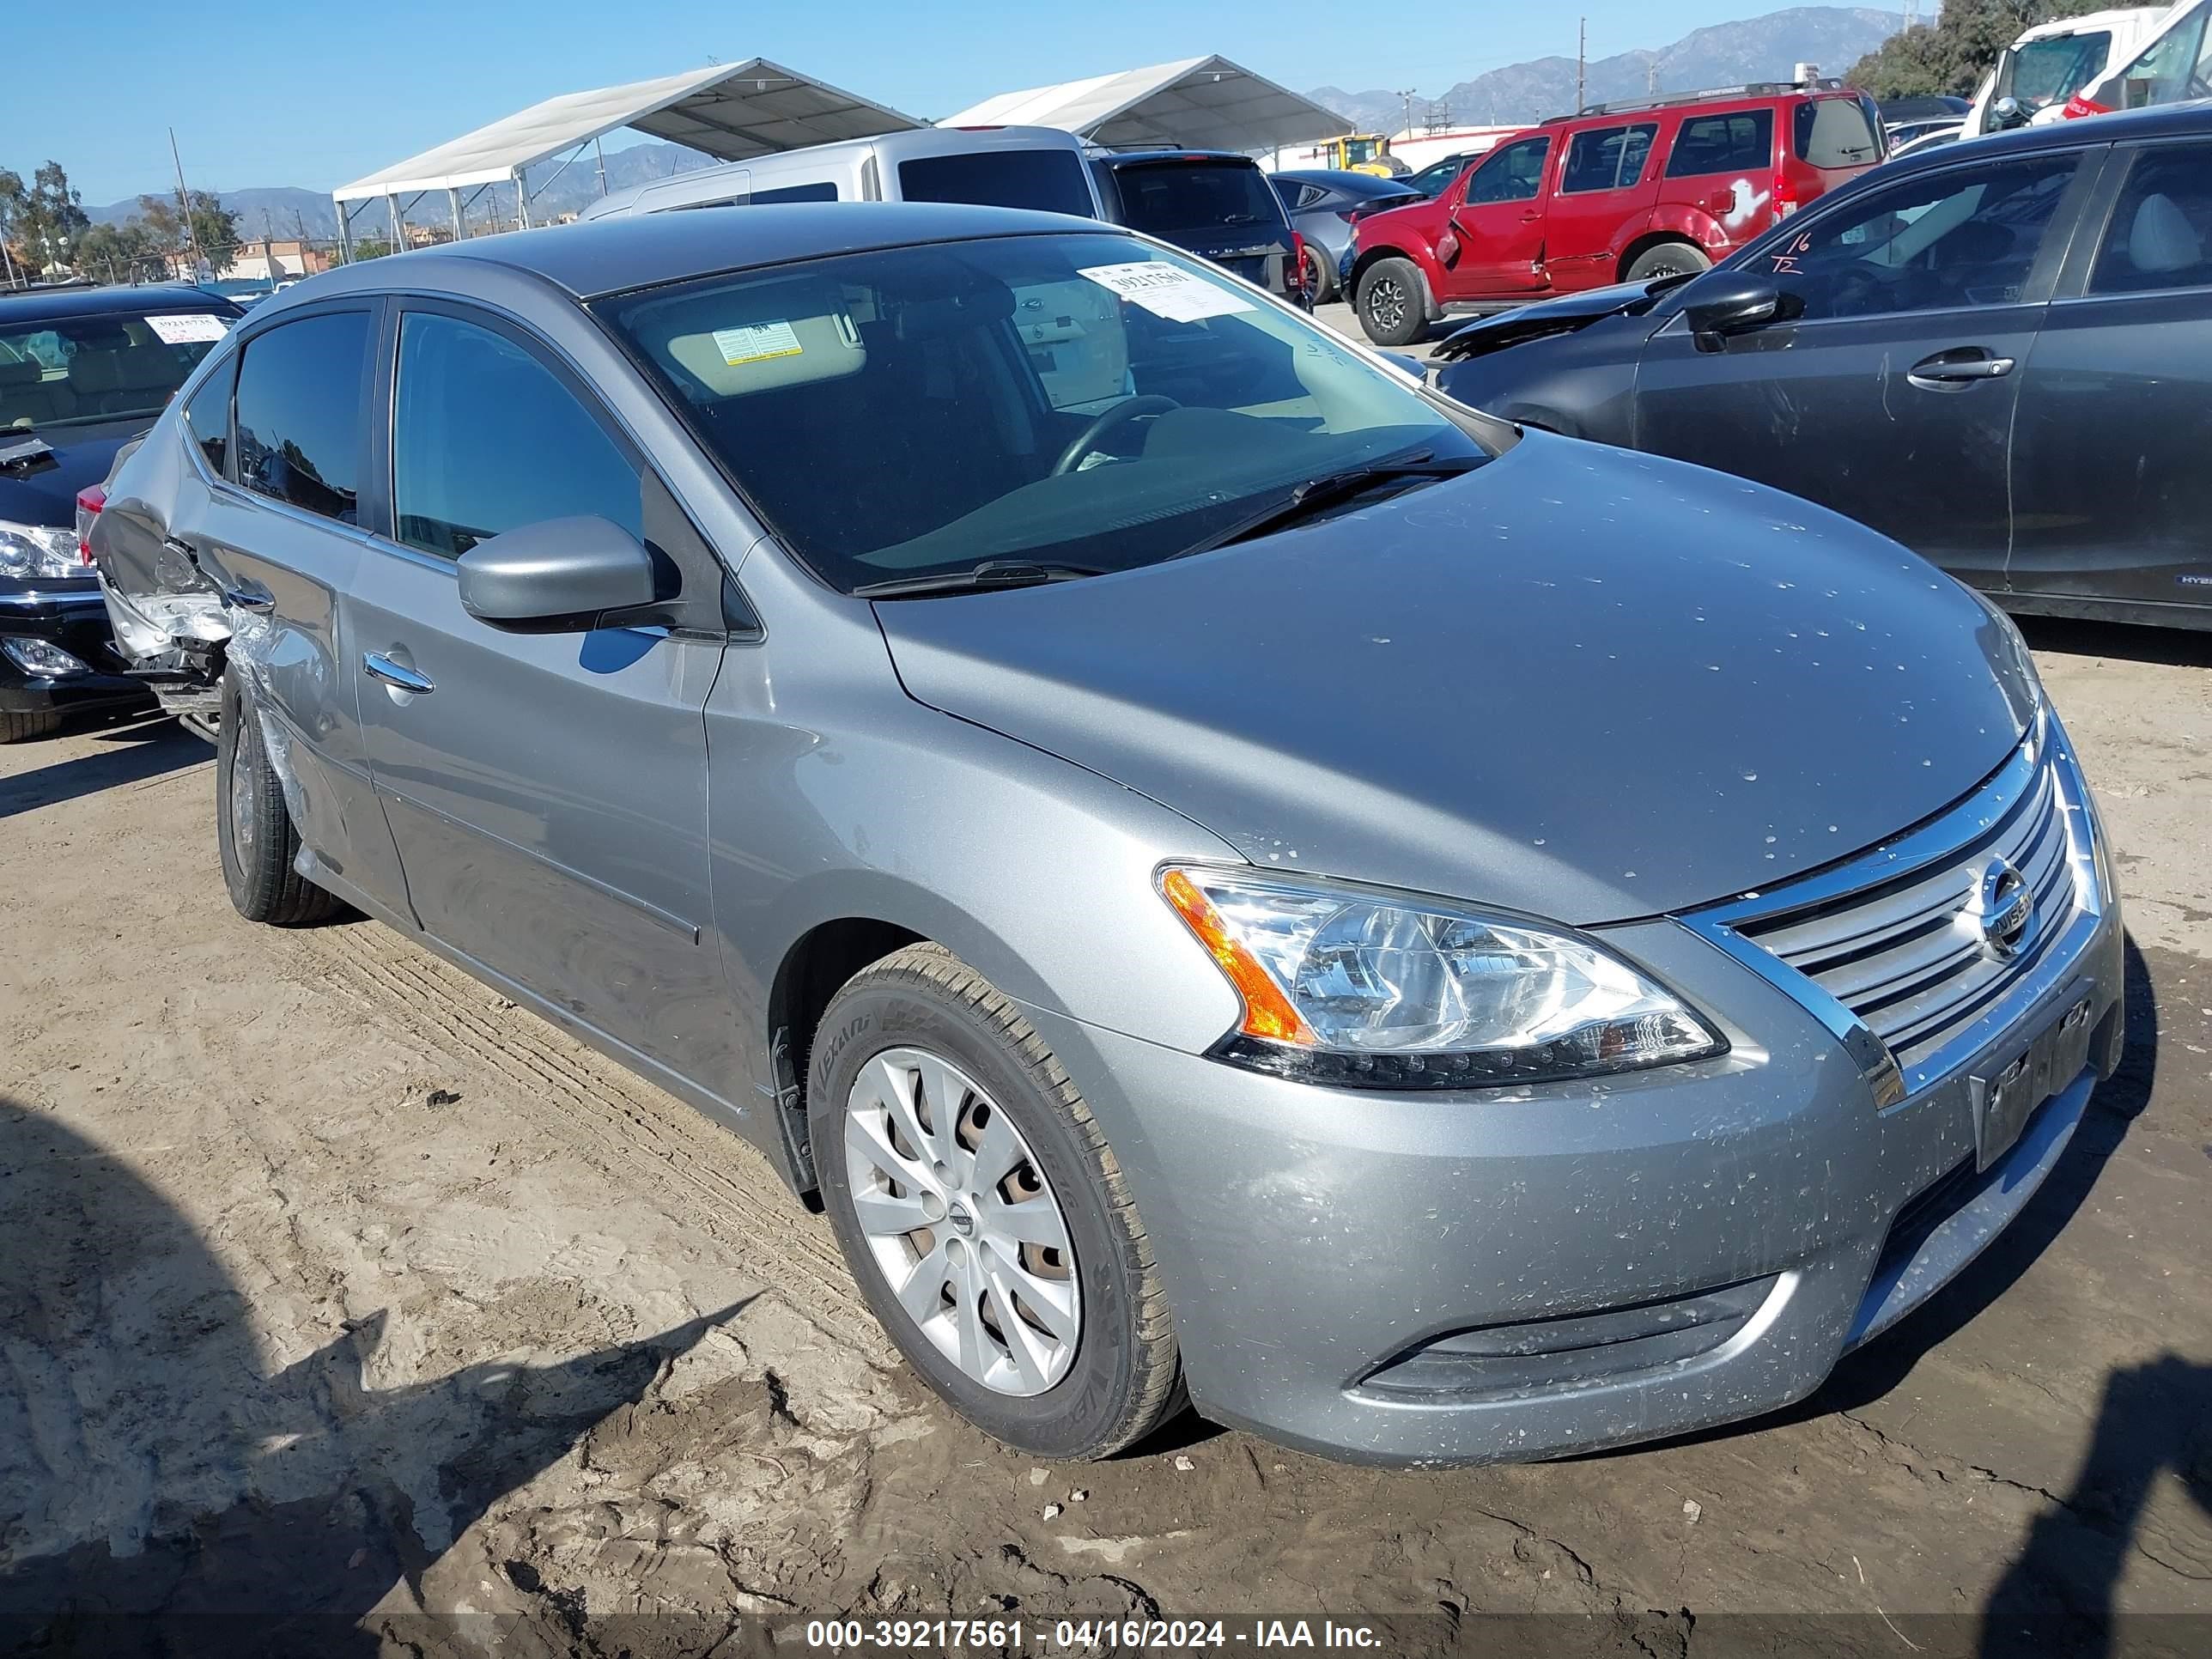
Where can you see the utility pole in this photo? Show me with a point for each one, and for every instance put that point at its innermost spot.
(1652, 79)
(184, 207)
(1406, 98)
(1582, 65)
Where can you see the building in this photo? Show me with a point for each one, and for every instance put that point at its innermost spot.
(273, 260)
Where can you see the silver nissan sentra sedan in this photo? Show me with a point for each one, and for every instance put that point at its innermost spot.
(1234, 878)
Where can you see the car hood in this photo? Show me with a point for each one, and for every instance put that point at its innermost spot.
(44, 491)
(1580, 682)
(1561, 315)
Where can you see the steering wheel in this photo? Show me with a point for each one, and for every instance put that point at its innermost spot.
(1134, 409)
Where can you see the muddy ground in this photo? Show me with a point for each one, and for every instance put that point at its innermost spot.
(338, 1294)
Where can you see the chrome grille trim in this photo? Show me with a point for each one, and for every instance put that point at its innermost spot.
(1886, 948)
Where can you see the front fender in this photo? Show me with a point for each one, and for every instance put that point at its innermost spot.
(1422, 256)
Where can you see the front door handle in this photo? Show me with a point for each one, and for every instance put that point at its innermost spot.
(378, 666)
(1957, 368)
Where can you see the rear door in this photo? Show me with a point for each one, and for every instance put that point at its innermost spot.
(2112, 497)
(548, 792)
(1607, 188)
(1890, 395)
(1495, 247)
(1721, 167)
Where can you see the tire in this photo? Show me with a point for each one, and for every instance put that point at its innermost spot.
(1666, 260)
(1392, 309)
(254, 832)
(1320, 281)
(16, 726)
(1103, 1372)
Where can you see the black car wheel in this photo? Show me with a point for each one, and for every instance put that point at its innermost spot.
(983, 1213)
(1391, 311)
(17, 725)
(1667, 260)
(254, 832)
(1321, 283)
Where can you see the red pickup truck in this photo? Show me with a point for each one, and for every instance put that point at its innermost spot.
(1621, 192)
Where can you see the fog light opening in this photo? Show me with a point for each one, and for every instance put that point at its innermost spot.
(43, 659)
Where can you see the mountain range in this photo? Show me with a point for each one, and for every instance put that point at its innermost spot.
(1726, 54)
(1755, 49)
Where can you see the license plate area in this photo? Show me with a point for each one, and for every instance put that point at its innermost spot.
(2006, 1096)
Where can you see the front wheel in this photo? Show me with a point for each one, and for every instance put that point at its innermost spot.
(982, 1211)
(18, 725)
(1667, 260)
(1392, 310)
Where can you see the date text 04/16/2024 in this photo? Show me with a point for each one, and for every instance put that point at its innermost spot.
(1084, 1635)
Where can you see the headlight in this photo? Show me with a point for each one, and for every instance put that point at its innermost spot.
(38, 549)
(1370, 990)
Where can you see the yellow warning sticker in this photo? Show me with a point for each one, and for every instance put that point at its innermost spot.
(756, 343)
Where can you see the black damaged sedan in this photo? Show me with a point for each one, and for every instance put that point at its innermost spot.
(82, 372)
(2000, 353)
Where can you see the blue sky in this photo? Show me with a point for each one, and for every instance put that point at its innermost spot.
(314, 93)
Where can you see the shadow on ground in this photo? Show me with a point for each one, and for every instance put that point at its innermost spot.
(163, 1492)
(125, 754)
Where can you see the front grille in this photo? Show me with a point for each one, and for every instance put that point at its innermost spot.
(1906, 955)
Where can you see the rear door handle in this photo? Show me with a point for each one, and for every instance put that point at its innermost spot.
(1960, 367)
(378, 666)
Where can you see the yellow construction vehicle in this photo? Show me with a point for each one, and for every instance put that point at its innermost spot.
(1362, 152)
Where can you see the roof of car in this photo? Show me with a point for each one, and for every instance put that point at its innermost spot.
(2161, 121)
(37, 305)
(1331, 179)
(1123, 158)
(645, 250)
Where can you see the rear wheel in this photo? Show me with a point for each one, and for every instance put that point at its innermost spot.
(1666, 260)
(1320, 281)
(983, 1213)
(254, 832)
(1392, 311)
(16, 726)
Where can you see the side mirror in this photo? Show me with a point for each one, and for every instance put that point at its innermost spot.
(1718, 306)
(2006, 114)
(1411, 367)
(560, 576)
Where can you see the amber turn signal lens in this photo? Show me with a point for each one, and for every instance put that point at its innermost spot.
(1267, 1011)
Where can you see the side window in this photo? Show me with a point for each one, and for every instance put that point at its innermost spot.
(1742, 141)
(486, 439)
(1606, 158)
(823, 190)
(208, 416)
(1968, 236)
(2176, 66)
(2160, 235)
(1515, 174)
(299, 412)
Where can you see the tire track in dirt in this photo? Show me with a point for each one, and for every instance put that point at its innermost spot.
(704, 1174)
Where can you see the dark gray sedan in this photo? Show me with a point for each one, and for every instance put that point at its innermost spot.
(1999, 353)
(1232, 877)
(1323, 206)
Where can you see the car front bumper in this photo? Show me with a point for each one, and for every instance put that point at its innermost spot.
(71, 616)
(1514, 1275)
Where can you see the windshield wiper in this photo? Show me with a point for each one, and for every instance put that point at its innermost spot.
(1331, 490)
(991, 573)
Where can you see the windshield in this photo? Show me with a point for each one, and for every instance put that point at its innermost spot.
(1050, 181)
(1167, 197)
(79, 371)
(2045, 72)
(1085, 400)
(1358, 151)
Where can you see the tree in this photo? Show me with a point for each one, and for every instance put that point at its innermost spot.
(212, 226)
(41, 220)
(1954, 53)
(118, 253)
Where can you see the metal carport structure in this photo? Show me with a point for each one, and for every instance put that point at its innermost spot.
(1197, 103)
(728, 111)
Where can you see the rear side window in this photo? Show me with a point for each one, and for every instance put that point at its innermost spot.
(1049, 180)
(486, 439)
(1182, 196)
(207, 415)
(1606, 158)
(1742, 141)
(825, 191)
(2160, 235)
(1834, 133)
(299, 412)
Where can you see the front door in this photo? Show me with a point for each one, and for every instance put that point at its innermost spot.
(1888, 394)
(548, 791)
(2112, 499)
(1493, 244)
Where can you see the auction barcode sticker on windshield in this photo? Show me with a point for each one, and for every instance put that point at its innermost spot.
(756, 342)
(1168, 290)
(187, 328)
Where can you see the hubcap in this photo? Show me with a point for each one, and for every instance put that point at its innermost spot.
(961, 1222)
(244, 819)
(1386, 303)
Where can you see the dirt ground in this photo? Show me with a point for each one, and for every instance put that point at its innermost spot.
(338, 1293)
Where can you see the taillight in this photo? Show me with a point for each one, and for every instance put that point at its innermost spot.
(1297, 281)
(1785, 197)
(89, 500)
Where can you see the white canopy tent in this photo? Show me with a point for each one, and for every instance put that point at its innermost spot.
(729, 111)
(1199, 103)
